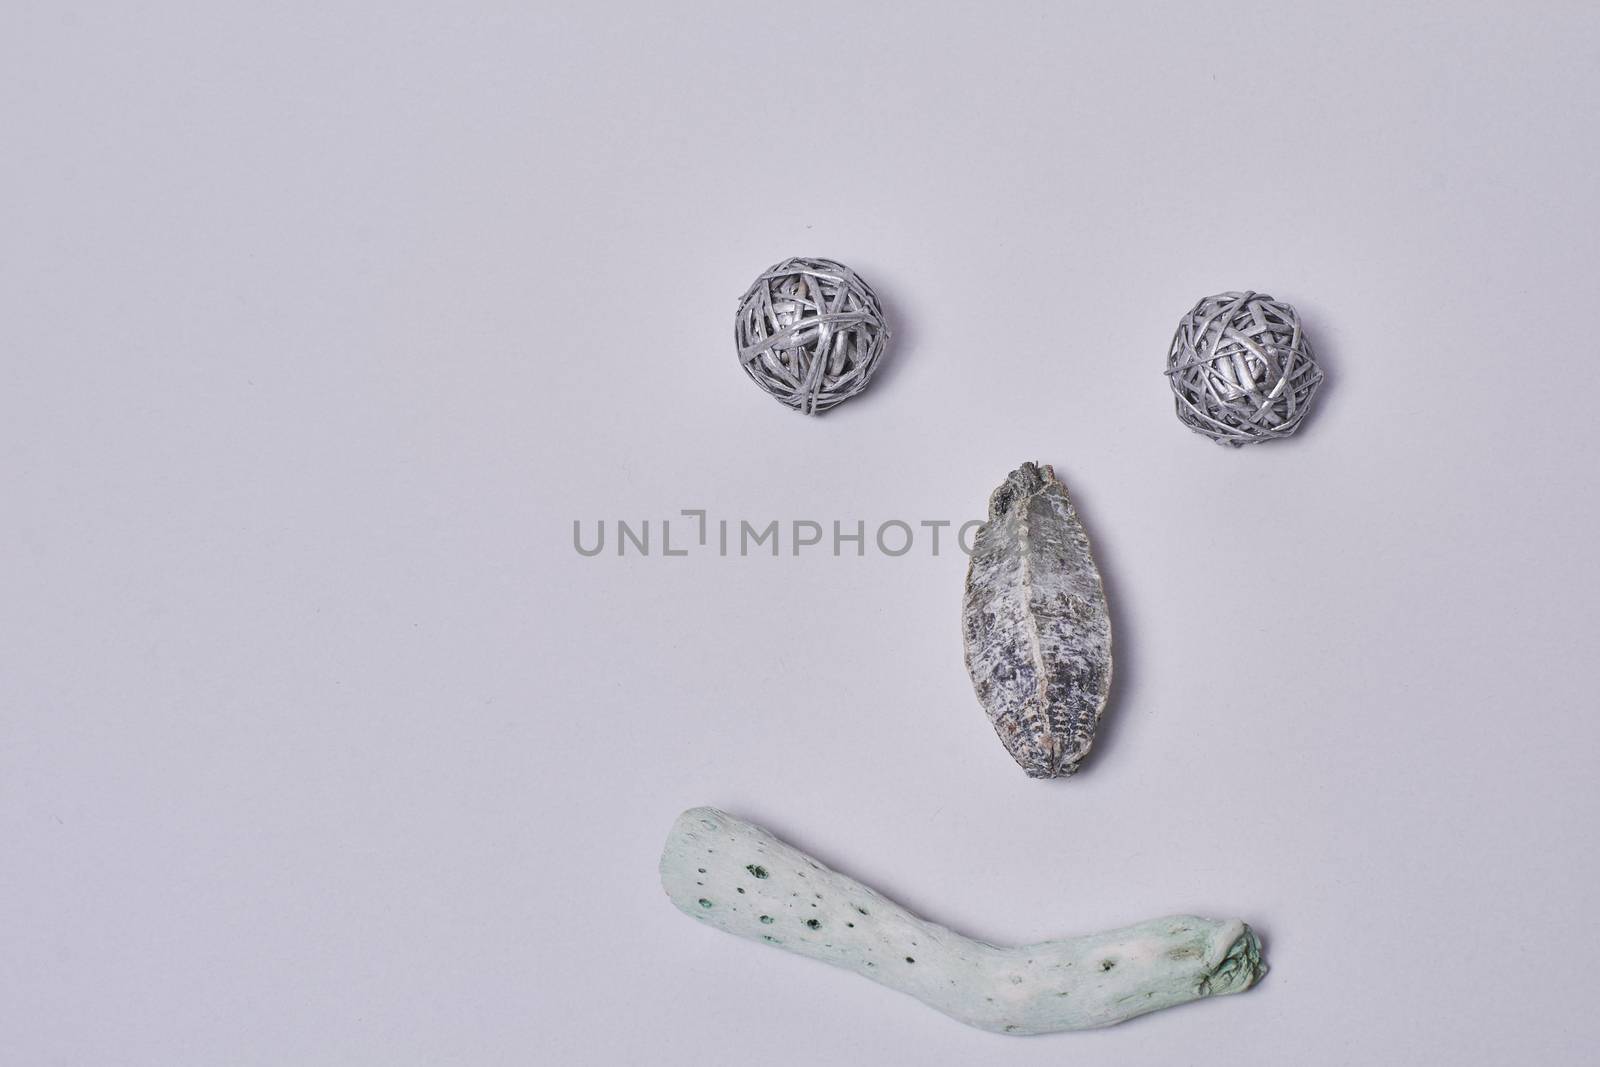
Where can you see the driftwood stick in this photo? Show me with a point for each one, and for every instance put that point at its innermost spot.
(739, 878)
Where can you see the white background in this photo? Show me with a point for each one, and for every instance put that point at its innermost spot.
(320, 324)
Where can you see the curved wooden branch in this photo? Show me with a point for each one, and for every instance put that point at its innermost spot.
(737, 877)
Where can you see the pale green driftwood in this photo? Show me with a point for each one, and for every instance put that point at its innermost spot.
(739, 878)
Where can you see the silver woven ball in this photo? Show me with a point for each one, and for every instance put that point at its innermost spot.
(1241, 369)
(810, 332)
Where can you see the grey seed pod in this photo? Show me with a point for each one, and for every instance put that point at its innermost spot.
(1038, 634)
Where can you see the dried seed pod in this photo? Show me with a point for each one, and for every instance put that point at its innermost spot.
(736, 877)
(1038, 635)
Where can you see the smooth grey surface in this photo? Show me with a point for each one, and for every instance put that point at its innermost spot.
(319, 744)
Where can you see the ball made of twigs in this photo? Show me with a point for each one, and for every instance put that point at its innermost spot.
(1241, 369)
(810, 332)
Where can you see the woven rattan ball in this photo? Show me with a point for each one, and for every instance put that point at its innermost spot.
(1241, 369)
(810, 332)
